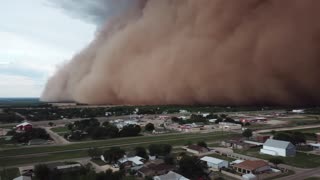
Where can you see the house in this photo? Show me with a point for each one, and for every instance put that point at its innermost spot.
(195, 149)
(155, 169)
(252, 166)
(134, 161)
(278, 148)
(170, 176)
(22, 178)
(215, 162)
(236, 143)
(24, 126)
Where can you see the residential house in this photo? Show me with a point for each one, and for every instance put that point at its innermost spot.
(25, 126)
(170, 176)
(195, 149)
(252, 166)
(215, 162)
(155, 169)
(278, 148)
(134, 161)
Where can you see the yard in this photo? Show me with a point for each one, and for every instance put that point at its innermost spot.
(60, 130)
(302, 160)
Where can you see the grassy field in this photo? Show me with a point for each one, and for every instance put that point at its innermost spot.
(52, 153)
(302, 160)
(60, 129)
(313, 178)
(9, 174)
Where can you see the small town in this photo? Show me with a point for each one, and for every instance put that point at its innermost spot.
(159, 143)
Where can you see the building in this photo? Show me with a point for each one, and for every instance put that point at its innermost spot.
(278, 148)
(215, 162)
(252, 167)
(195, 149)
(253, 120)
(170, 176)
(249, 177)
(134, 161)
(24, 126)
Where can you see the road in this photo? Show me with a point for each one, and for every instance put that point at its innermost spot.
(56, 138)
(303, 174)
(288, 128)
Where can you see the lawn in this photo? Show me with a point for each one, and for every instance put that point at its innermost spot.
(9, 174)
(313, 178)
(60, 129)
(302, 160)
(52, 153)
(98, 162)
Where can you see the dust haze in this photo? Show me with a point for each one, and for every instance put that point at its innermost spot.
(218, 52)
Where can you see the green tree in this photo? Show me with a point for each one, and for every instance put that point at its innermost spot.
(113, 154)
(142, 152)
(169, 159)
(202, 144)
(191, 167)
(42, 172)
(94, 153)
(276, 161)
(247, 133)
(149, 127)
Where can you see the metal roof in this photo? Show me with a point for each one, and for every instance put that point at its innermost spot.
(277, 143)
(212, 160)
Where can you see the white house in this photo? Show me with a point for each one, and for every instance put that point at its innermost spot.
(136, 160)
(170, 176)
(215, 162)
(278, 148)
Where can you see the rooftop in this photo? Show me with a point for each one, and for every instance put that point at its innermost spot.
(277, 143)
(197, 148)
(170, 176)
(251, 164)
(212, 160)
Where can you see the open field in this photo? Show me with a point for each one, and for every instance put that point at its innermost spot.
(302, 160)
(50, 153)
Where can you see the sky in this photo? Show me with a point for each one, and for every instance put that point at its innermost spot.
(36, 37)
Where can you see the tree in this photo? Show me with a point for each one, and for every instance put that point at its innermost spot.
(113, 154)
(170, 160)
(50, 124)
(94, 153)
(42, 172)
(276, 161)
(130, 130)
(202, 144)
(159, 149)
(70, 126)
(149, 127)
(247, 133)
(142, 152)
(191, 167)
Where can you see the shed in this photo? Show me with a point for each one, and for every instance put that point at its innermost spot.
(278, 148)
(215, 162)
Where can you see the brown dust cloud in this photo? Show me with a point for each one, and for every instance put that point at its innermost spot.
(217, 52)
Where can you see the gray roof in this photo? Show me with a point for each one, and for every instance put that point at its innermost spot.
(278, 144)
